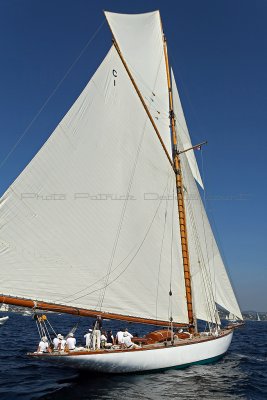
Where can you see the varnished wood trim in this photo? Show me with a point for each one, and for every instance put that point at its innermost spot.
(185, 342)
(40, 305)
(180, 195)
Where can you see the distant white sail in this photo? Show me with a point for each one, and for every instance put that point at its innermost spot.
(232, 317)
(4, 307)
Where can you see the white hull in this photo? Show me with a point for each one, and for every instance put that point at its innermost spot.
(3, 320)
(147, 359)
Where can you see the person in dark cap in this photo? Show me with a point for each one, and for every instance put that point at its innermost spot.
(110, 338)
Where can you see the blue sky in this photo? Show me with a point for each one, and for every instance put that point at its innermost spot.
(218, 50)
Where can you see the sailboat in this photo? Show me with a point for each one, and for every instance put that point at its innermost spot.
(4, 308)
(27, 313)
(3, 320)
(107, 219)
(232, 317)
(258, 317)
(234, 322)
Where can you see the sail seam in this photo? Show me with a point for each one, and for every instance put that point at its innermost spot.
(138, 249)
(101, 297)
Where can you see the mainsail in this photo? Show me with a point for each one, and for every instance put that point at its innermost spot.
(92, 221)
(88, 213)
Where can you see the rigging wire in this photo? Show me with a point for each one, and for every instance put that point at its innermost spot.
(135, 254)
(151, 90)
(205, 276)
(42, 327)
(205, 208)
(160, 256)
(116, 241)
(211, 266)
(51, 327)
(26, 130)
(173, 202)
(114, 269)
(203, 269)
(39, 331)
(200, 257)
(170, 306)
(193, 108)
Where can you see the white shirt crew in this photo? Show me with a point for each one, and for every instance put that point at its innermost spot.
(71, 342)
(43, 346)
(119, 337)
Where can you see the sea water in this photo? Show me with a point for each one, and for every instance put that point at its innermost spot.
(241, 374)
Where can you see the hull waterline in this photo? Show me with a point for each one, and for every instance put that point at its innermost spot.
(146, 359)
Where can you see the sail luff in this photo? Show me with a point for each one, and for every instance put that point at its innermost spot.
(58, 308)
(180, 197)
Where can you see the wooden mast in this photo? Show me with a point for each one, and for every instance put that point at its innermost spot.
(177, 170)
(180, 195)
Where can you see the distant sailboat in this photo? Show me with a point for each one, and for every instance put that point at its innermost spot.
(3, 320)
(27, 313)
(107, 218)
(4, 307)
(232, 317)
(258, 317)
(233, 321)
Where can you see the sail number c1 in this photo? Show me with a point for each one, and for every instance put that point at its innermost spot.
(115, 74)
